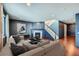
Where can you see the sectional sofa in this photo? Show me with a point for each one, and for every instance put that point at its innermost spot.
(53, 48)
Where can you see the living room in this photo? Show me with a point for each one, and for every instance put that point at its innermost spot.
(35, 24)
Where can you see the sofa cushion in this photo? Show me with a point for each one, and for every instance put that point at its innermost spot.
(43, 42)
(17, 50)
(17, 39)
(26, 42)
(11, 40)
(30, 48)
(35, 52)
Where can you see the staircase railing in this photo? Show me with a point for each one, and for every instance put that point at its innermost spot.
(52, 31)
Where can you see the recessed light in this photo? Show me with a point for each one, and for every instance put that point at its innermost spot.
(28, 4)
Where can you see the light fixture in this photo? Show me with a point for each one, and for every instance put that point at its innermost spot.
(28, 4)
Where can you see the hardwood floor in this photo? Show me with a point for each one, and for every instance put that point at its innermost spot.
(70, 48)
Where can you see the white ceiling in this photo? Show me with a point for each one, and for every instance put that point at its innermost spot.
(38, 12)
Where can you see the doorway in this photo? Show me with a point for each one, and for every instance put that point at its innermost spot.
(63, 32)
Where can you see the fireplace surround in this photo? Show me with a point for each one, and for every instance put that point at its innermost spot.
(37, 33)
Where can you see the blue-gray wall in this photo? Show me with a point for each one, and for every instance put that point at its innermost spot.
(71, 29)
(29, 26)
(13, 26)
(77, 30)
(47, 35)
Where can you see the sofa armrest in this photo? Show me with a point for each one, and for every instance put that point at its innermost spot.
(6, 51)
(35, 52)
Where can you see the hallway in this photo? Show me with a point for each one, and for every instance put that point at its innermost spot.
(70, 47)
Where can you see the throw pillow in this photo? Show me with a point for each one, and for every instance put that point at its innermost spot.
(17, 39)
(17, 50)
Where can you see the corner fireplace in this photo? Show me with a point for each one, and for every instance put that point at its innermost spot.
(37, 33)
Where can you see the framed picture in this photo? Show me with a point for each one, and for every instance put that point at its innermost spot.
(21, 28)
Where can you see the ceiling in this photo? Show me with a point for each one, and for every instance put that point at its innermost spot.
(39, 12)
